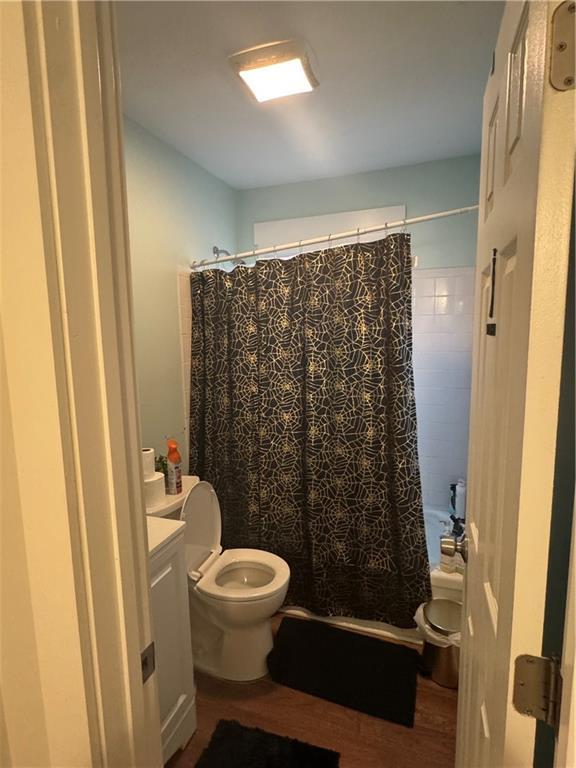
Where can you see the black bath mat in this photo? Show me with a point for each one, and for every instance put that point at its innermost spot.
(235, 746)
(359, 672)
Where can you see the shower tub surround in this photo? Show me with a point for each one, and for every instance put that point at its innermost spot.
(346, 312)
(443, 306)
(442, 313)
(446, 585)
(442, 310)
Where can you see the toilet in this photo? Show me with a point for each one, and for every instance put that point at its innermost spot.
(232, 594)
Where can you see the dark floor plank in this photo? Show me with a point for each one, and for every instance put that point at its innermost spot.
(363, 741)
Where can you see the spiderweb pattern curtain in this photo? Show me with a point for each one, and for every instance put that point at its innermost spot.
(303, 419)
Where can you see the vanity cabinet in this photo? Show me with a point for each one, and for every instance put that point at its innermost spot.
(171, 632)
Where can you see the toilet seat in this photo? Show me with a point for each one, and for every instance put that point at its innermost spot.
(236, 575)
(232, 595)
(254, 562)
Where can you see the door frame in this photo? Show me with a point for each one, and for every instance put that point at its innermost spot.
(70, 410)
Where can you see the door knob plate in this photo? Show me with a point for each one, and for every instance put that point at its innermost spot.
(450, 546)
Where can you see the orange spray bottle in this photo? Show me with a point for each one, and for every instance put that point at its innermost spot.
(174, 468)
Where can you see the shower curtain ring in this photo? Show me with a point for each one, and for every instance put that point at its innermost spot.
(358, 236)
(329, 239)
(300, 247)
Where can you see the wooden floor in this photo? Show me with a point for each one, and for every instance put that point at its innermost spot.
(363, 741)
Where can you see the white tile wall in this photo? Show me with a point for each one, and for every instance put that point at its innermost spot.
(443, 305)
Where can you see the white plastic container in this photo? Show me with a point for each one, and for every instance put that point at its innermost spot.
(461, 499)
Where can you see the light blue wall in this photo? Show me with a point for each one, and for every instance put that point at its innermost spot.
(177, 211)
(423, 188)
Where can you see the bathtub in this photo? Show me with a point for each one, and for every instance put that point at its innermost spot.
(447, 585)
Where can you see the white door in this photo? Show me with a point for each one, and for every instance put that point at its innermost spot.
(523, 234)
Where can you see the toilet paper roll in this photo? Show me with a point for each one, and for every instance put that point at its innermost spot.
(154, 490)
(148, 462)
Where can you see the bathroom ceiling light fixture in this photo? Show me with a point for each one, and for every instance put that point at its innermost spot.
(274, 70)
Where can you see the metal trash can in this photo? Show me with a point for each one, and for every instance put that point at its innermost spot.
(441, 660)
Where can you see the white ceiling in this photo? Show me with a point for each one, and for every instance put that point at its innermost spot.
(400, 83)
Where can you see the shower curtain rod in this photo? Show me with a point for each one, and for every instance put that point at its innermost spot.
(328, 238)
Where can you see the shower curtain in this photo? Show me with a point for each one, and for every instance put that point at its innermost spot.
(303, 419)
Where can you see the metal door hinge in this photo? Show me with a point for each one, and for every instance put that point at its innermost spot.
(563, 50)
(538, 688)
(148, 661)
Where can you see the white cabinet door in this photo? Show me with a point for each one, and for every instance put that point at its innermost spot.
(173, 648)
(523, 237)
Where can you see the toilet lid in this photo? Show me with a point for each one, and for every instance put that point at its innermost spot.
(201, 513)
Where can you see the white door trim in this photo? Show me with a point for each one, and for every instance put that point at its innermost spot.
(66, 288)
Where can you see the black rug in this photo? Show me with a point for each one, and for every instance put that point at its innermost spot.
(359, 672)
(235, 746)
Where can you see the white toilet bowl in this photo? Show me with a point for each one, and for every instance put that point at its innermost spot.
(233, 594)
